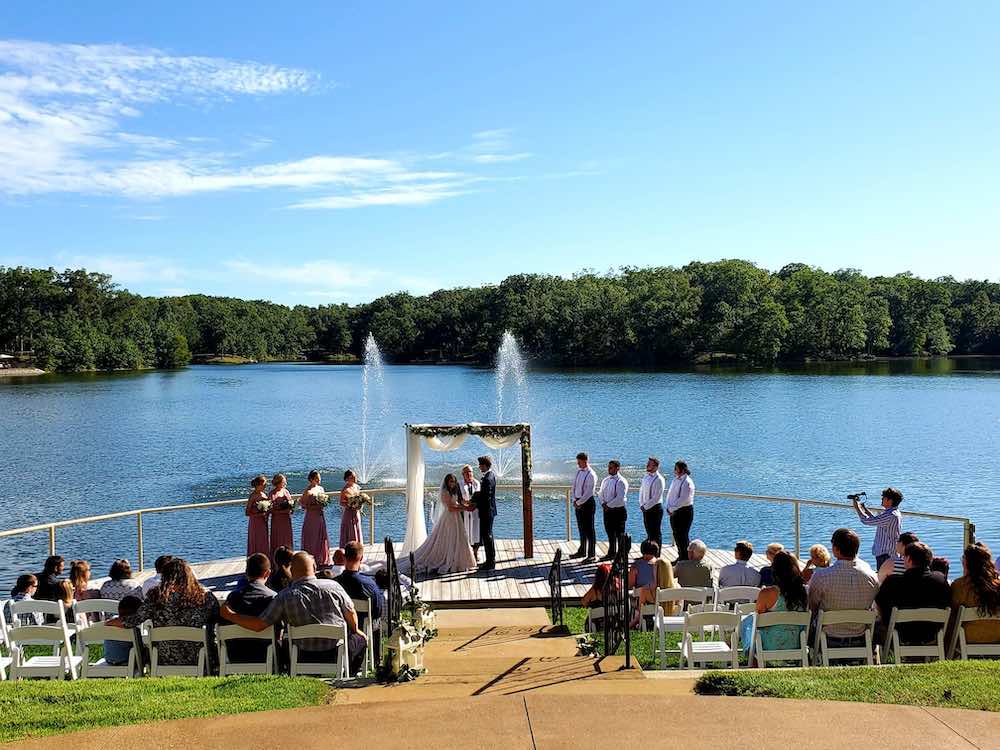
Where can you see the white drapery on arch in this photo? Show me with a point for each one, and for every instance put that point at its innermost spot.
(444, 438)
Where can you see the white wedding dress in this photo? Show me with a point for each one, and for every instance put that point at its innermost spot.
(447, 548)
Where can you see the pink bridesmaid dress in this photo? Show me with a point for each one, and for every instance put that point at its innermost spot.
(281, 521)
(257, 538)
(315, 540)
(350, 521)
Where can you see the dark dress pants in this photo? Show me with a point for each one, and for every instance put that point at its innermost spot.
(585, 523)
(680, 524)
(486, 538)
(652, 519)
(614, 526)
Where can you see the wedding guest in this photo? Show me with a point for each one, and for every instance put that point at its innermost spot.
(116, 653)
(24, 591)
(470, 516)
(787, 593)
(178, 600)
(251, 599)
(359, 585)
(310, 600)
(339, 559)
(680, 507)
(694, 572)
(651, 500)
(593, 597)
(895, 565)
(978, 588)
(281, 574)
(819, 557)
(315, 540)
(48, 579)
(613, 494)
(66, 599)
(350, 513)
(154, 580)
(847, 584)
(765, 572)
(887, 523)
(79, 576)
(642, 578)
(941, 565)
(282, 505)
(120, 582)
(917, 587)
(585, 507)
(257, 539)
(739, 573)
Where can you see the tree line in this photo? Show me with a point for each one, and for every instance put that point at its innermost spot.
(74, 320)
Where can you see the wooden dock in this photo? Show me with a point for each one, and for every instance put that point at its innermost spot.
(515, 582)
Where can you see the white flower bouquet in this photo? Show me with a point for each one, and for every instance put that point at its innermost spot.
(263, 506)
(321, 499)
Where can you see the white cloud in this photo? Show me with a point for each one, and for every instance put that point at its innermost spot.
(125, 269)
(330, 274)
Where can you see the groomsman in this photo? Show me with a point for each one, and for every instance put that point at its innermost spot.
(651, 500)
(585, 507)
(680, 506)
(614, 488)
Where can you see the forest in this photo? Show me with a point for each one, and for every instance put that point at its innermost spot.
(74, 320)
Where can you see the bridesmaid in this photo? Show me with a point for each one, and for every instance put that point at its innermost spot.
(257, 540)
(281, 514)
(314, 537)
(350, 518)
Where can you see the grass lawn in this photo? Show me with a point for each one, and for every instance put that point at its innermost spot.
(950, 684)
(36, 708)
(575, 618)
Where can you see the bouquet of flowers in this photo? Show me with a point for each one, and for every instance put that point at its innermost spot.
(359, 501)
(322, 499)
(287, 503)
(263, 506)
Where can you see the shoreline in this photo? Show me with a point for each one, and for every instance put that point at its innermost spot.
(21, 372)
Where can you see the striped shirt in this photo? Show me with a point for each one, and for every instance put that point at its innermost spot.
(887, 525)
(847, 584)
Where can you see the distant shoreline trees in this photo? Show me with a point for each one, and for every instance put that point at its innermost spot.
(75, 321)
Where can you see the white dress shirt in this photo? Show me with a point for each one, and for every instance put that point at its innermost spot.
(651, 490)
(681, 493)
(614, 488)
(583, 485)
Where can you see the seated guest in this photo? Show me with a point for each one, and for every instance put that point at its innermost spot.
(694, 572)
(642, 577)
(847, 584)
(739, 573)
(121, 582)
(381, 577)
(79, 576)
(338, 562)
(116, 653)
(178, 600)
(787, 594)
(359, 585)
(915, 588)
(66, 599)
(252, 599)
(154, 580)
(48, 580)
(281, 575)
(24, 591)
(886, 523)
(819, 557)
(765, 573)
(979, 588)
(308, 601)
(593, 597)
(941, 565)
(896, 564)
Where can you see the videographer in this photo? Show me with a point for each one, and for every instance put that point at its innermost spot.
(887, 523)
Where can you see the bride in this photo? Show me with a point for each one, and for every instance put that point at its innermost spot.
(447, 548)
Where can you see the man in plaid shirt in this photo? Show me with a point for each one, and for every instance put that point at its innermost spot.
(847, 584)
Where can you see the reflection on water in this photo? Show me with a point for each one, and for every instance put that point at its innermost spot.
(85, 444)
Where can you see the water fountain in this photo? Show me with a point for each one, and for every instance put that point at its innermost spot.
(374, 408)
(512, 393)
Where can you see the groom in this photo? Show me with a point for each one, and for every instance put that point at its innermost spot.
(485, 499)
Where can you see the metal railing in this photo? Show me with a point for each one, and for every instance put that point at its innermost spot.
(617, 606)
(968, 528)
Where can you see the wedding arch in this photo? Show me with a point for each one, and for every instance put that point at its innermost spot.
(451, 437)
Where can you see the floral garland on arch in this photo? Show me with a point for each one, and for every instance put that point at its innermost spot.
(492, 431)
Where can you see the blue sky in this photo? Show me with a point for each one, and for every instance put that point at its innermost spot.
(338, 151)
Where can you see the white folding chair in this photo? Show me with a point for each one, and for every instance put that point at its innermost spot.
(965, 649)
(99, 633)
(594, 614)
(338, 633)
(725, 598)
(55, 667)
(42, 609)
(702, 651)
(5, 658)
(178, 633)
(103, 608)
(229, 633)
(364, 607)
(825, 653)
(685, 598)
(900, 651)
(770, 619)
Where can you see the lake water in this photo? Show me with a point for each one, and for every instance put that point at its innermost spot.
(73, 446)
